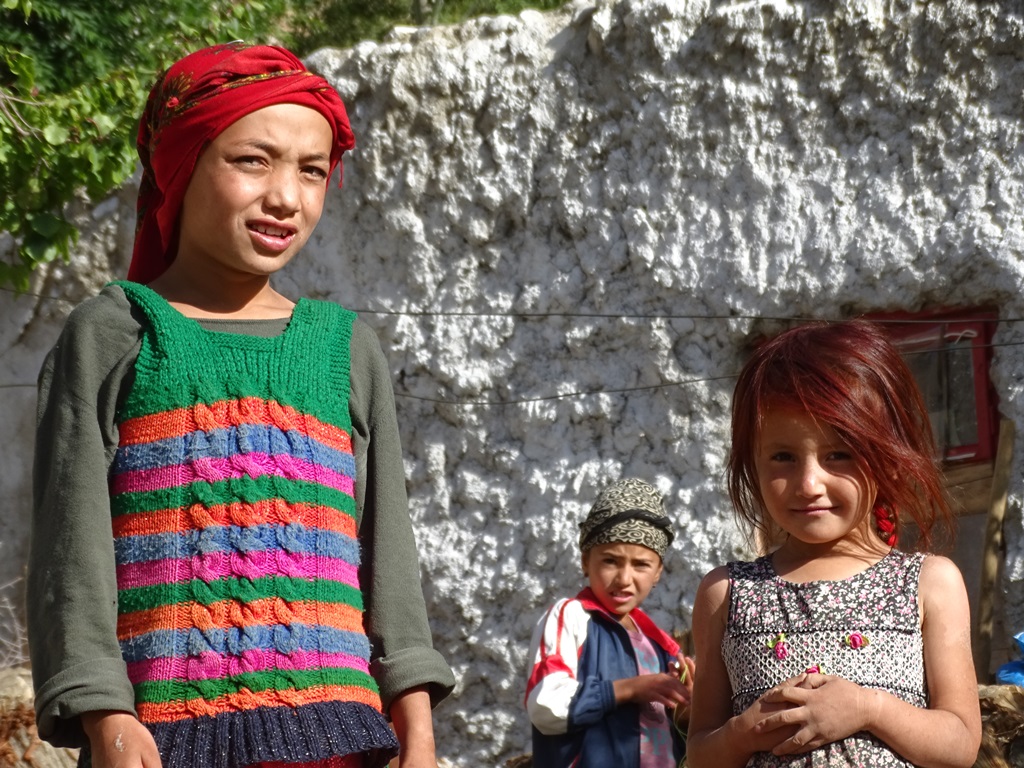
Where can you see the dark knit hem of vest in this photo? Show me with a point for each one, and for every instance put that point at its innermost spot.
(299, 734)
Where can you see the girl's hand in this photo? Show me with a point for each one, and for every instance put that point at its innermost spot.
(119, 740)
(414, 761)
(414, 727)
(822, 709)
(761, 726)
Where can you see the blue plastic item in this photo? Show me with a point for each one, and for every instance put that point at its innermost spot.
(1012, 673)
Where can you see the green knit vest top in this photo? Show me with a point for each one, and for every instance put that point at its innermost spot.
(235, 533)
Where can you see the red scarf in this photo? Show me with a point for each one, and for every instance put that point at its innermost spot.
(191, 103)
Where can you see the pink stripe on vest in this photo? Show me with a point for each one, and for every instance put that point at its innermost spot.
(251, 565)
(213, 666)
(214, 470)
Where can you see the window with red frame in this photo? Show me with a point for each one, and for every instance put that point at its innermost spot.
(949, 353)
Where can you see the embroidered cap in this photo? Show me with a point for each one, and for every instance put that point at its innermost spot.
(629, 511)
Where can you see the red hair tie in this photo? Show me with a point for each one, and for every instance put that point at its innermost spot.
(886, 524)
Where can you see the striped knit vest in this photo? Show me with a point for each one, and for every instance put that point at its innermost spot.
(239, 607)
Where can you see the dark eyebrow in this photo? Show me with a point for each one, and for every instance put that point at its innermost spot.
(260, 144)
(271, 149)
(317, 157)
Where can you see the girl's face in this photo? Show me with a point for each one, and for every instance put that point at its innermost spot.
(621, 575)
(809, 480)
(256, 194)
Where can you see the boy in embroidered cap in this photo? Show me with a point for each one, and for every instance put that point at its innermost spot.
(223, 571)
(606, 681)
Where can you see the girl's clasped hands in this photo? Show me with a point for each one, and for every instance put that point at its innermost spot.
(809, 711)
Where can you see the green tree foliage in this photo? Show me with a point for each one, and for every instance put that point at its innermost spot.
(343, 23)
(74, 75)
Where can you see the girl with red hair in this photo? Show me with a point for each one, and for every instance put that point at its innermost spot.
(836, 648)
(223, 570)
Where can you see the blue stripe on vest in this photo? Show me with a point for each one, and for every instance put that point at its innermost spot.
(168, 643)
(232, 441)
(293, 538)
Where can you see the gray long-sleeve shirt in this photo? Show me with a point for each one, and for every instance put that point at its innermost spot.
(72, 590)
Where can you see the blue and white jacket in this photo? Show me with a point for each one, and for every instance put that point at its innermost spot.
(579, 649)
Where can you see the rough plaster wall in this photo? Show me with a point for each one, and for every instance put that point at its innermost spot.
(29, 326)
(618, 190)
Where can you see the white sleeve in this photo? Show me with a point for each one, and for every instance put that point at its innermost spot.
(554, 652)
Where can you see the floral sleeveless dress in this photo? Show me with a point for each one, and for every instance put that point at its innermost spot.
(865, 628)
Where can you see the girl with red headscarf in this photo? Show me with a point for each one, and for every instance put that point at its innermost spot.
(223, 571)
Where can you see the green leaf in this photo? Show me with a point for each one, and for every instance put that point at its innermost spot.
(47, 225)
(56, 134)
(104, 124)
(38, 250)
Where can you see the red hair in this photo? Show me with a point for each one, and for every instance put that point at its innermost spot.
(850, 376)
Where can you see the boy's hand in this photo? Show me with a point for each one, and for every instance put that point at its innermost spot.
(685, 668)
(119, 740)
(661, 688)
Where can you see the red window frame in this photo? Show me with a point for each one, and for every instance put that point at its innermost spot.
(928, 330)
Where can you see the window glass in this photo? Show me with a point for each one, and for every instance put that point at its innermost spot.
(945, 374)
(949, 360)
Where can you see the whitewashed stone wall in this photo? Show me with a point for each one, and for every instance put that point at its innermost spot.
(566, 226)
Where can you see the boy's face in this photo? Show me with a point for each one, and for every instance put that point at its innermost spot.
(256, 194)
(621, 575)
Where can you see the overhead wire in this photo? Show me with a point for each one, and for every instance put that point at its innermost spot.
(609, 316)
(614, 315)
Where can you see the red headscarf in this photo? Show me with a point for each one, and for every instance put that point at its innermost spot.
(191, 103)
